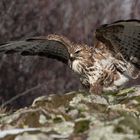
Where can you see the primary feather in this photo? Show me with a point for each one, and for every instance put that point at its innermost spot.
(122, 37)
(37, 46)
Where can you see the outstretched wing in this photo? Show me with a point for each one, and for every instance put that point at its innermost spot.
(52, 46)
(122, 37)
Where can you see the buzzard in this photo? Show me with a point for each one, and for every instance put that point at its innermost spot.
(107, 66)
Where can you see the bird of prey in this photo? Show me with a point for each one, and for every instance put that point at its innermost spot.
(107, 66)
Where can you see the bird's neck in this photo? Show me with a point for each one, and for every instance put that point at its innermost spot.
(77, 66)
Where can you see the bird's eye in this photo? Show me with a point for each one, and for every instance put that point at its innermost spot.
(78, 51)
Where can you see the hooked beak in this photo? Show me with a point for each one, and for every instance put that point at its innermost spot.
(72, 58)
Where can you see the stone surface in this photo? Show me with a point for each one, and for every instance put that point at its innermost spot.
(76, 116)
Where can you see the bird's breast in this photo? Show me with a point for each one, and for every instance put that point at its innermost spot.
(76, 66)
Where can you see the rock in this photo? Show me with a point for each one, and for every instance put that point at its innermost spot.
(76, 115)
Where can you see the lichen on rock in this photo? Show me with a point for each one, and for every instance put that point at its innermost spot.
(76, 115)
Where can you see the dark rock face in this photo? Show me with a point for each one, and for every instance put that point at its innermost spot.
(74, 19)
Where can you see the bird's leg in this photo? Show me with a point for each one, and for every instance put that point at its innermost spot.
(96, 91)
(96, 88)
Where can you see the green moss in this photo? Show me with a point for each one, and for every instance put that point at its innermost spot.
(81, 125)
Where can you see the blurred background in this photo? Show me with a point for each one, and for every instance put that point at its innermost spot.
(76, 19)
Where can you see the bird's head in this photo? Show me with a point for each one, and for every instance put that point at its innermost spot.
(80, 52)
(80, 55)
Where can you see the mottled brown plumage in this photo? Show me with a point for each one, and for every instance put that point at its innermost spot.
(122, 39)
(108, 66)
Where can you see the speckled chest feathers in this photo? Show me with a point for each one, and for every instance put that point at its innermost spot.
(96, 68)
